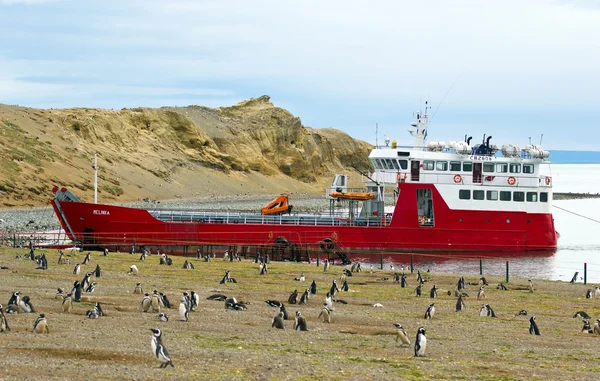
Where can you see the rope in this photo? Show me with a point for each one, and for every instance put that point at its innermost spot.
(577, 214)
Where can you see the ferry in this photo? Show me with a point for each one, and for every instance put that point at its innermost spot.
(453, 198)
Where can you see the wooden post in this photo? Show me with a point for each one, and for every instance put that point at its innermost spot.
(585, 273)
(480, 266)
(412, 268)
(381, 261)
(506, 271)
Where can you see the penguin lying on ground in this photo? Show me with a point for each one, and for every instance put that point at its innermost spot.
(217, 297)
(581, 314)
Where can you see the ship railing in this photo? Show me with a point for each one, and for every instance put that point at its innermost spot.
(461, 178)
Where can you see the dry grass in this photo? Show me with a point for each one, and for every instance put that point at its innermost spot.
(220, 344)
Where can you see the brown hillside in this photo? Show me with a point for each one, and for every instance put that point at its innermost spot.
(252, 147)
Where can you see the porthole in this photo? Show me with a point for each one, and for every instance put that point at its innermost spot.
(460, 220)
(487, 220)
(508, 221)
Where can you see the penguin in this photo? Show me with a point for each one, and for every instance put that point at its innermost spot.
(155, 301)
(12, 309)
(501, 287)
(587, 327)
(3, 322)
(277, 321)
(581, 314)
(597, 327)
(106, 252)
(87, 259)
(530, 285)
(490, 311)
(163, 317)
(217, 297)
(461, 283)
(304, 297)
(301, 278)
(138, 289)
(430, 311)
(85, 282)
(60, 293)
(345, 286)
(97, 271)
(274, 303)
(433, 292)
(293, 299)
(353, 268)
(25, 305)
(146, 303)
(420, 343)
(61, 257)
(588, 294)
(91, 287)
(325, 265)
(77, 269)
(162, 260)
(460, 305)
(418, 290)
(533, 328)
(233, 304)
(41, 325)
(283, 311)
(483, 310)
(597, 292)
(67, 304)
(230, 302)
(159, 350)
(98, 308)
(183, 311)
(313, 287)
(326, 313)
(133, 269)
(143, 256)
(164, 300)
(403, 282)
(195, 299)
(226, 278)
(329, 301)
(481, 293)
(300, 323)
(334, 288)
(482, 281)
(343, 277)
(419, 277)
(401, 335)
(263, 269)
(522, 313)
(396, 278)
(14, 298)
(340, 301)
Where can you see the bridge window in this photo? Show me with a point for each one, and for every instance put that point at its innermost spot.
(467, 166)
(502, 168)
(428, 165)
(505, 196)
(543, 197)
(532, 196)
(527, 168)
(455, 166)
(488, 167)
(441, 165)
(386, 164)
(394, 163)
(478, 195)
(515, 168)
(492, 195)
(378, 164)
(403, 164)
(464, 194)
(519, 196)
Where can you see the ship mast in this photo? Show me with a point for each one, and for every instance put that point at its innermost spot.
(419, 129)
(95, 178)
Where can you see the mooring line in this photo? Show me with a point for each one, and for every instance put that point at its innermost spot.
(577, 214)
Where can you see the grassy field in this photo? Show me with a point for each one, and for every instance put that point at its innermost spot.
(358, 344)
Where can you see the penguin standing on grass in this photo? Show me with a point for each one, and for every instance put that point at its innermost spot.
(138, 289)
(326, 313)
(146, 303)
(418, 290)
(313, 287)
(403, 282)
(597, 327)
(587, 327)
(277, 321)
(401, 335)
(430, 312)
(3, 322)
(67, 304)
(293, 299)
(530, 285)
(533, 328)
(481, 293)
(194, 300)
(97, 271)
(41, 325)
(460, 305)
(77, 269)
(304, 297)
(155, 301)
(597, 292)
(300, 323)
(183, 311)
(420, 343)
(159, 350)
(588, 294)
(334, 288)
(433, 292)
(284, 312)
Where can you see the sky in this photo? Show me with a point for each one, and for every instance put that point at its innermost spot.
(513, 69)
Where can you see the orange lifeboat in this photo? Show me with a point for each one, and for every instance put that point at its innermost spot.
(278, 206)
(353, 195)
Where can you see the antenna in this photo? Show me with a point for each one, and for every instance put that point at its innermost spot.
(95, 178)
(541, 137)
(530, 140)
(376, 132)
(447, 92)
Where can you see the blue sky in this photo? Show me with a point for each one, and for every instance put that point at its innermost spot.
(520, 68)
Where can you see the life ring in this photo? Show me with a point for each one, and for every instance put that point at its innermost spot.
(511, 180)
(423, 220)
(457, 178)
(399, 177)
(547, 181)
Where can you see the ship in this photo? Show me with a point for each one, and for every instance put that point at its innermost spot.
(462, 197)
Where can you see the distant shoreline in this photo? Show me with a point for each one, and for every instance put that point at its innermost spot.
(574, 196)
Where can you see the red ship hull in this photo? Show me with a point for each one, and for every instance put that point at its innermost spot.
(453, 231)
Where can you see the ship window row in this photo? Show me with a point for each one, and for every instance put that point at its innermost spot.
(467, 166)
(390, 164)
(493, 195)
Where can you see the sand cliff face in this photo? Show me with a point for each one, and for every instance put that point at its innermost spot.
(252, 147)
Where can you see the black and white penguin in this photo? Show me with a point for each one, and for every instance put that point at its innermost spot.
(418, 290)
(183, 310)
(301, 278)
(396, 278)
(274, 303)
(277, 321)
(233, 304)
(597, 292)
(85, 282)
(25, 305)
(533, 328)
(587, 327)
(164, 300)
(138, 289)
(401, 335)
(588, 294)
(226, 278)
(501, 287)
(460, 305)
(483, 281)
(3, 322)
(283, 311)
(15, 298)
(96, 312)
(155, 301)
(430, 312)
(77, 269)
(300, 323)
(87, 258)
(581, 314)
(313, 287)
(146, 303)
(433, 292)
(41, 325)
(596, 327)
(60, 293)
(403, 282)
(334, 288)
(217, 297)
(263, 269)
(345, 286)
(480, 293)
(353, 267)
(304, 297)
(163, 317)
(420, 343)
(105, 252)
(325, 265)
(490, 311)
(159, 351)
(91, 287)
(419, 277)
(329, 301)
(530, 285)
(326, 313)
(483, 310)
(67, 304)
(522, 313)
(293, 299)
(194, 300)
(97, 271)
(133, 270)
